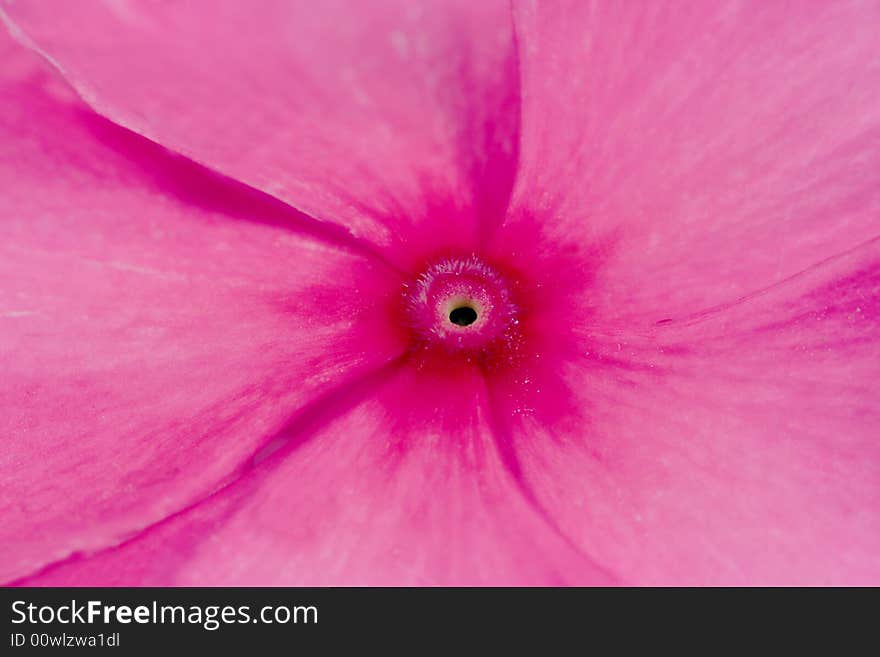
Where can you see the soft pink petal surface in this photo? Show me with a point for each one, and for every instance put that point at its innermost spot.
(390, 117)
(402, 484)
(157, 324)
(709, 148)
(735, 447)
(691, 428)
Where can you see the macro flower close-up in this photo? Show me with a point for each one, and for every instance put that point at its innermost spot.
(454, 292)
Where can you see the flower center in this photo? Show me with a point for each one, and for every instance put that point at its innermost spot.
(460, 305)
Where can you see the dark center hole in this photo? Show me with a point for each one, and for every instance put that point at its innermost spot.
(463, 316)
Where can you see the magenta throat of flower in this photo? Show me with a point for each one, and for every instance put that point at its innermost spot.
(461, 305)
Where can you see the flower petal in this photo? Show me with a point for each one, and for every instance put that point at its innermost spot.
(709, 148)
(369, 114)
(735, 447)
(157, 323)
(690, 429)
(406, 487)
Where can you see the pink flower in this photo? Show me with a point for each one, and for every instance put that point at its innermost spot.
(378, 293)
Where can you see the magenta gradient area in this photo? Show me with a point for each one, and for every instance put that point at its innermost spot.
(237, 240)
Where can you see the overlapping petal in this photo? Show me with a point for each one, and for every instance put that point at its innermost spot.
(692, 413)
(700, 151)
(157, 324)
(734, 447)
(388, 117)
(397, 482)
